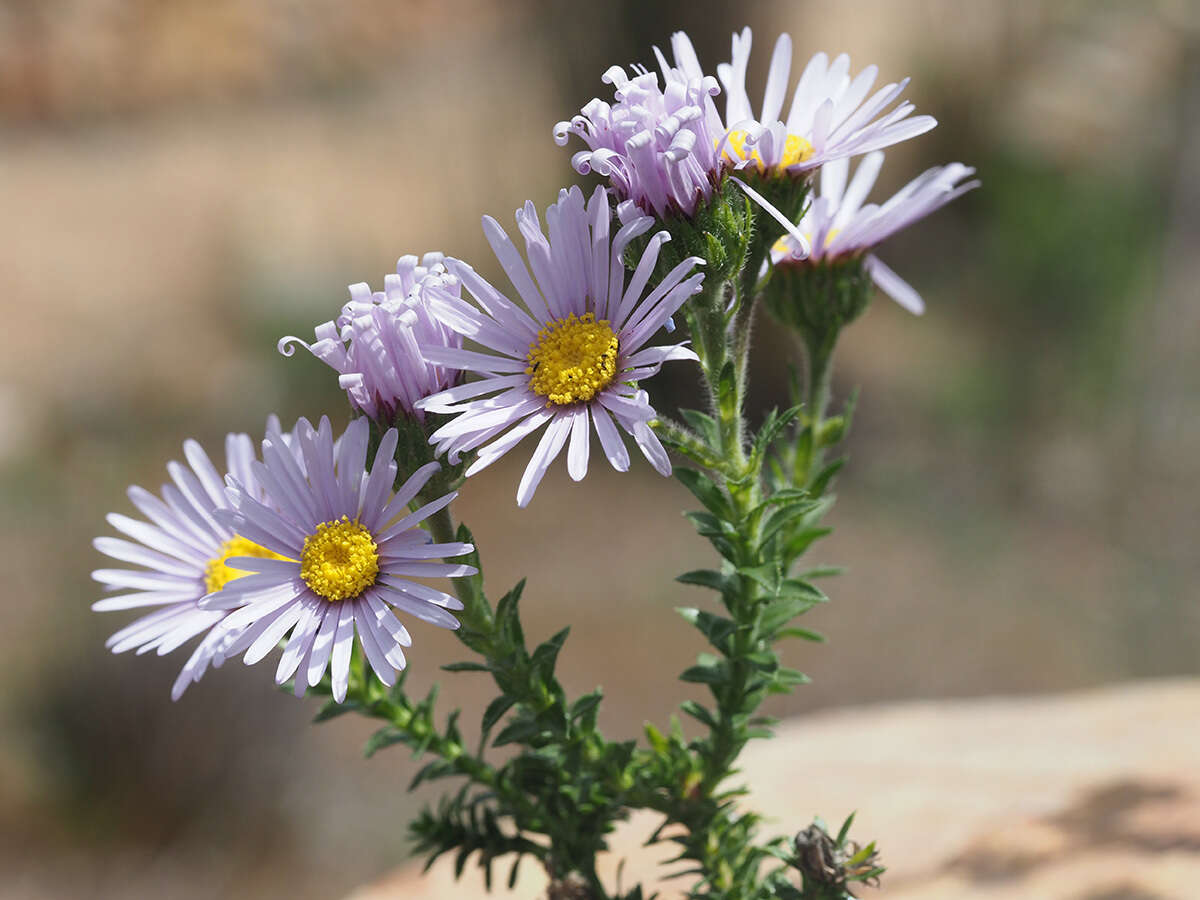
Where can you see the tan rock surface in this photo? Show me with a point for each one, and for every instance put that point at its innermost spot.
(1086, 796)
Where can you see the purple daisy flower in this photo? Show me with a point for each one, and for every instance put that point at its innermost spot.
(570, 361)
(346, 551)
(373, 343)
(654, 144)
(183, 552)
(660, 147)
(830, 116)
(838, 225)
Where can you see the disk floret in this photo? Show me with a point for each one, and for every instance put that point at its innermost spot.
(340, 560)
(796, 149)
(573, 359)
(217, 574)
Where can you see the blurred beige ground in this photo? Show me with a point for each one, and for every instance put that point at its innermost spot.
(1087, 796)
(182, 183)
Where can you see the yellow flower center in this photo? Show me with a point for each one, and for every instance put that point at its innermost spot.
(795, 150)
(572, 360)
(340, 561)
(782, 246)
(217, 574)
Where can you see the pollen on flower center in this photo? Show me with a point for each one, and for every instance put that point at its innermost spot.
(795, 150)
(339, 561)
(217, 574)
(572, 360)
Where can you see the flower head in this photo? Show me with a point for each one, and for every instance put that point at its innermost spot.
(839, 226)
(654, 144)
(571, 360)
(373, 343)
(182, 552)
(830, 116)
(345, 550)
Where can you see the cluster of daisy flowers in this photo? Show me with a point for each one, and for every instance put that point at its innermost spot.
(298, 545)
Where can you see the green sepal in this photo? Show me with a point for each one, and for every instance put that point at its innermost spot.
(718, 232)
(818, 298)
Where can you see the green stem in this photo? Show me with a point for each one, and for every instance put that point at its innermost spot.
(819, 392)
(476, 613)
(820, 380)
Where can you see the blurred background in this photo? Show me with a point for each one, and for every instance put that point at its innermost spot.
(182, 182)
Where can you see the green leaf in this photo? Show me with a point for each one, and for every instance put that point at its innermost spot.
(774, 423)
(716, 628)
(844, 831)
(706, 524)
(464, 536)
(798, 543)
(508, 621)
(512, 873)
(495, 711)
(803, 633)
(384, 737)
(785, 497)
(727, 388)
(766, 575)
(791, 677)
(803, 455)
(465, 667)
(783, 516)
(698, 711)
(779, 612)
(703, 424)
(801, 590)
(821, 482)
(705, 490)
(517, 731)
(584, 709)
(708, 578)
(719, 533)
(821, 572)
(438, 768)
(657, 739)
(331, 709)
(708, 670)
(546, 654)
